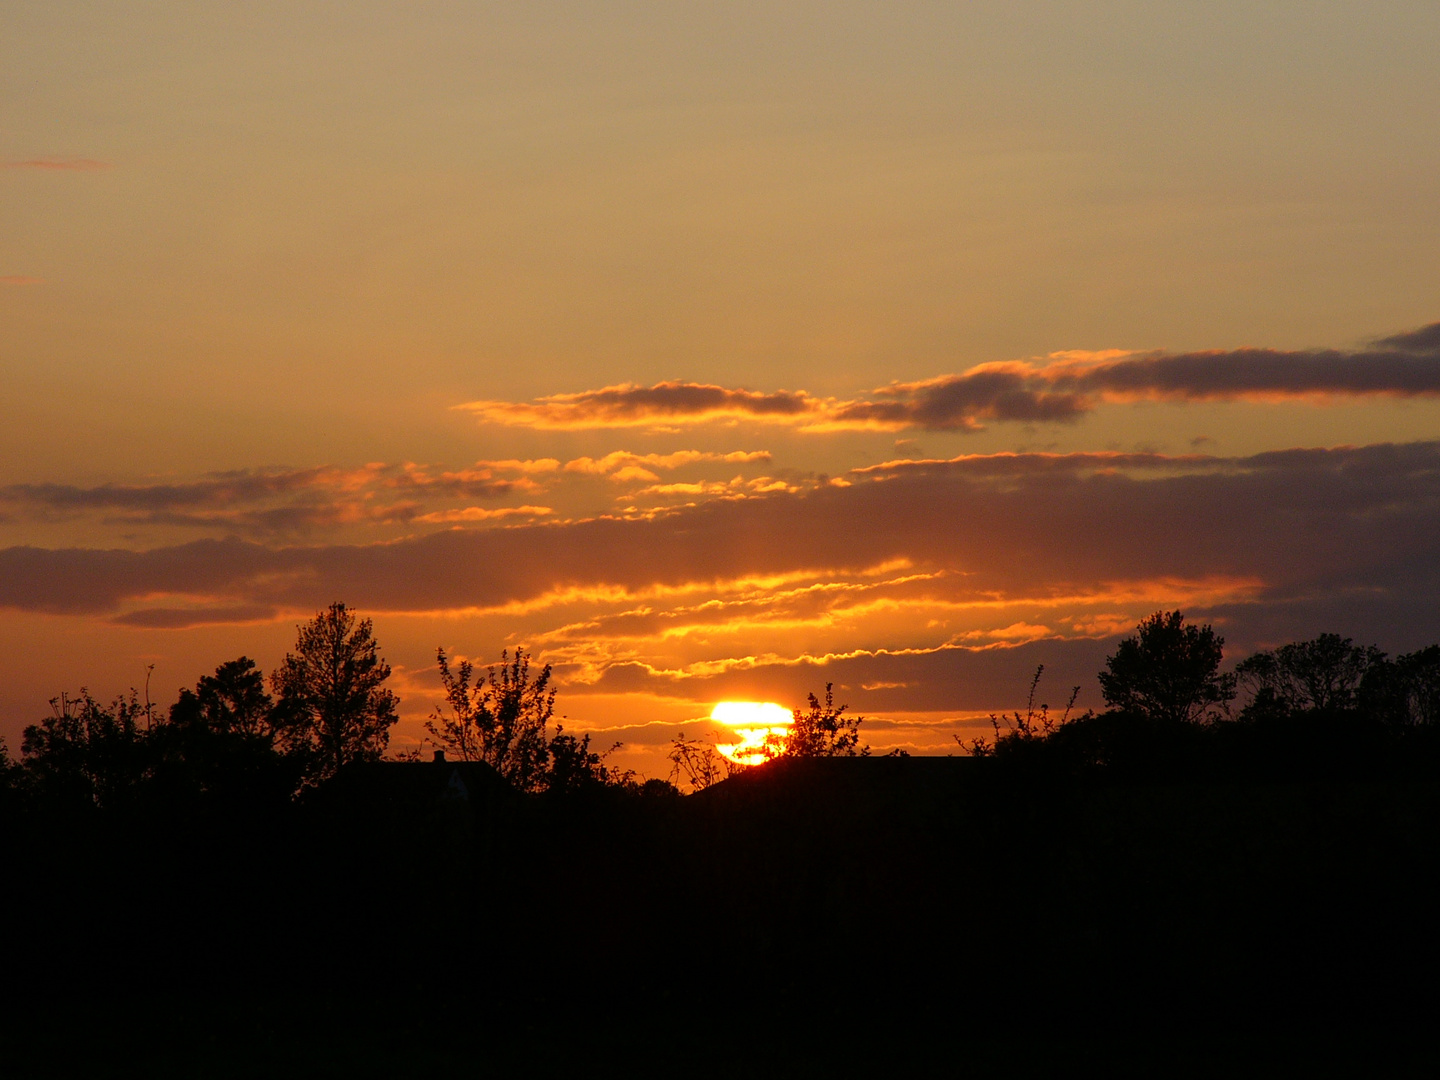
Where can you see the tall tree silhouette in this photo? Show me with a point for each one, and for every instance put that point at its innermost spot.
(332, 707)
(1168, 671)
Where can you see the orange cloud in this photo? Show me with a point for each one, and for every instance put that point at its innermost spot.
(20, 279)
(539, 465)
(621, 460)
(628, 405)
(693, 490)
(475, 513)
(1007, 464)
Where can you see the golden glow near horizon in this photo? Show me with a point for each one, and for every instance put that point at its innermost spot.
(756, 723)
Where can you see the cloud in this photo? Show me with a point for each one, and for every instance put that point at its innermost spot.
(216, 489)
(628, 405)
(323, 497)
(477, 483)
(1424, 342)
(1403, 370)
(961, 402)
(1003, 465)
(20, 279)
(59, 164)
(622, 464)
(1404, 365)
(1355, 528)
(693, 489)
(923, 586)
(185, 618)
(947, 677)
(1062, 389)
(475, 513)
(540, 465)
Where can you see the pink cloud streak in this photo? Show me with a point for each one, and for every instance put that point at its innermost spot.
(59, 164)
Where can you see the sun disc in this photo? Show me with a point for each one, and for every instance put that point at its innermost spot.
(760, 726)
(751, 714)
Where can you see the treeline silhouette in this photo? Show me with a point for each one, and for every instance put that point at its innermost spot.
(1238, 850)
(1309, 710)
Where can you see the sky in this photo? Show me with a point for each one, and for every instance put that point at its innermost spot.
(712, 351)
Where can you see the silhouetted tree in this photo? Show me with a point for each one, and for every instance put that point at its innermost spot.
(85, 753)
(572, 766)
(825, 730)
(332, 707)
(1405, 690)
(1168, 671)
(9, 770)
(232, 701)
(1323, 673)
(220, 734)
(1420, 675)
(504, 721)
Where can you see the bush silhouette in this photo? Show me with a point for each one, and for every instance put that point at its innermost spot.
(696, 762)
(825, 730)
(1015, 730)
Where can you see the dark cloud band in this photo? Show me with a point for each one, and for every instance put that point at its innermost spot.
(1063, 390)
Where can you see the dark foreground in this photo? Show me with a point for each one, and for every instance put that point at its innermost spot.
(1182, 911)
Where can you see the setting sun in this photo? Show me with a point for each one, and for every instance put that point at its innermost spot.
(756, 723)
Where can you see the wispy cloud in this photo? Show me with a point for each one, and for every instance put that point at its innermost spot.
(183, 618)
(1006, 464)
(1061, 388)
(59, 164)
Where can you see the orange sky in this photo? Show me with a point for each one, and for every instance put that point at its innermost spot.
(713, 351)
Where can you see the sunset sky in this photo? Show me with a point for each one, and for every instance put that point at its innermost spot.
(714, 351)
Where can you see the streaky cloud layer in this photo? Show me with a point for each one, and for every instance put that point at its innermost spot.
(1342, 526)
